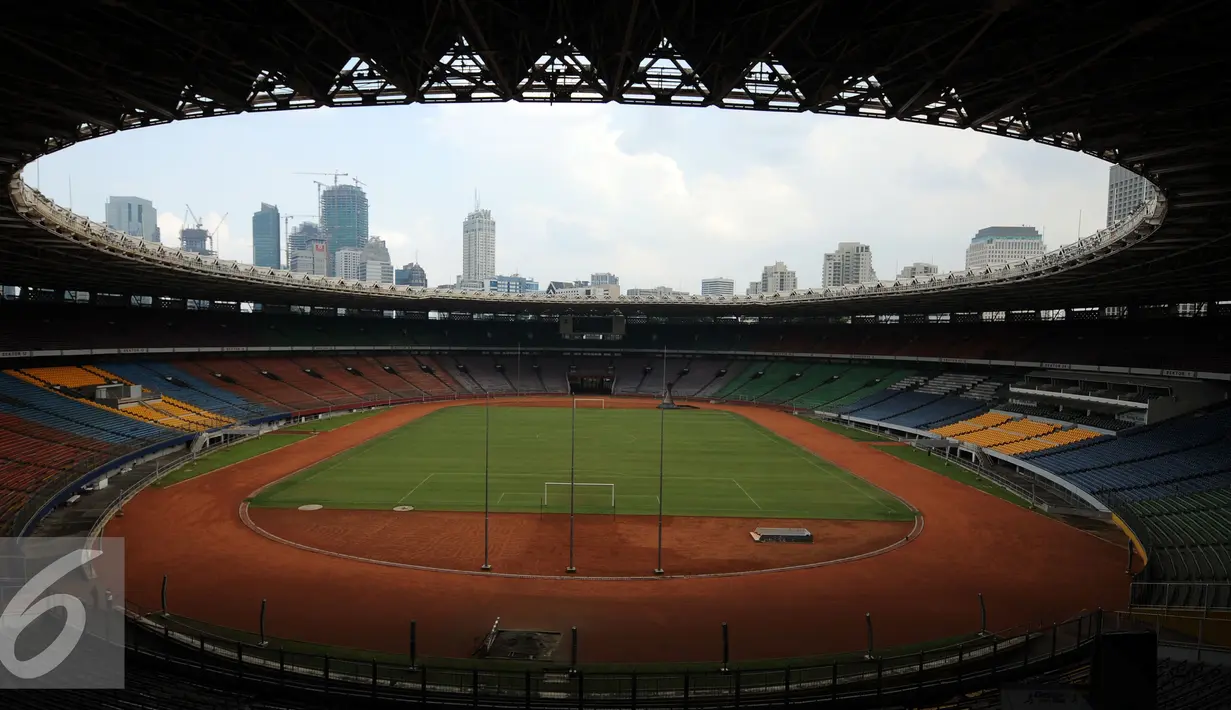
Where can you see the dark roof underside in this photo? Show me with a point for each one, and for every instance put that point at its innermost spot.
(1141, 84)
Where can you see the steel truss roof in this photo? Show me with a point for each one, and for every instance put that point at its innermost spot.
(1143, 85)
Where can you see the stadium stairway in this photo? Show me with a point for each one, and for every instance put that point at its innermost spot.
(249, 381)
(434, 381)
(186, 388)
(65, 381)
(810, 378)
(305, 380)
(700, 376)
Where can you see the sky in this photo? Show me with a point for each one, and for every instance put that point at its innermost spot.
(658, 196)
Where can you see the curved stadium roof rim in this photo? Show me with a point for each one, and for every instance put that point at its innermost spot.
(41, 211)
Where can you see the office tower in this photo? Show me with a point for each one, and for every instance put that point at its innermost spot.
(374, 263)
(410, 275)
(512, 284)
(313, 258)
(1126, 190)
(346, 263)
(850, 264)
(997, 246)
(777, 278)
(604, 279)
(135, 216)
(297, 240)
(267, 237)
(918, 269)
(478, 247)
(718, 286)
(344, 217)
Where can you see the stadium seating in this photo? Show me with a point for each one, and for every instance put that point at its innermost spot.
(435, 383)
(37, 404)
(187, 388)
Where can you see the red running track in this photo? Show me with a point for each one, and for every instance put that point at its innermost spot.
(1030, 569)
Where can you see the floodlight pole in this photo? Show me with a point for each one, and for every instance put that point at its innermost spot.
(662, 428)
(572, 486)
(487, 436)
(519, 368)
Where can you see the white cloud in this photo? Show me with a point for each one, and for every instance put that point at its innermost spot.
(657, 196)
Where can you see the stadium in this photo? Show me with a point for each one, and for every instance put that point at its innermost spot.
(941, 492)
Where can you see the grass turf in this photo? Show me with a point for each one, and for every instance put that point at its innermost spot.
(849, 432)
(715, 464)
(214, 460)
(331, 423)
(951, 470)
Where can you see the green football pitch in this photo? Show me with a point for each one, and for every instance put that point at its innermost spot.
(714, 463)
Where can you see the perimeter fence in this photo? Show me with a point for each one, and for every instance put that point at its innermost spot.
(888, 677)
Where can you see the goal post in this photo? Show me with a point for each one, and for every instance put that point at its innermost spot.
(589, 403)
(585, 497)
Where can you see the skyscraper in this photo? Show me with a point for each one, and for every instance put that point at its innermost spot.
(297, 240)
(374, 264)
(347, 263)
(478, 247)
(997, 246)
(719, 286)
(344, 217)
(777, 278)
(850, 264)
(133, 215)
(1126, 190)
(267, 237)
(313, 258)
(410, 275)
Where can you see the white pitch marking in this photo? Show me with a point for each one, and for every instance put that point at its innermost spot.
(754, 500)
(412, 490)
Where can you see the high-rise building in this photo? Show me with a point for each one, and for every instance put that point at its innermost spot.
(374, 263)
(313, 258)
(344, 217)
(1126, 190)
(850, 264)
(512, 284)
(297, 240)
(135, 216)
(997, 246)
(918, 269)
(347, 262)
(777, 278)
(719, 286)
(478, 247)
(267, 237)
(754, 289)
(656, 292)
(604, 279)
(410, 275)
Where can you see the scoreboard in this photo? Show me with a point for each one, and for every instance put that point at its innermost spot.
(591, 327)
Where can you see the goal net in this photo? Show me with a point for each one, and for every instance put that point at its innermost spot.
(585, 497)
(589, 403)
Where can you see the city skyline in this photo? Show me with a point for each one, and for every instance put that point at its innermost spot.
(634, 191)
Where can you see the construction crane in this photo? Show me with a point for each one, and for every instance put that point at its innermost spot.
(193, 235)
(286, 232)
(358, 182)
(335, 175)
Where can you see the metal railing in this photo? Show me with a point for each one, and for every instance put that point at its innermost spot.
(889, 678)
